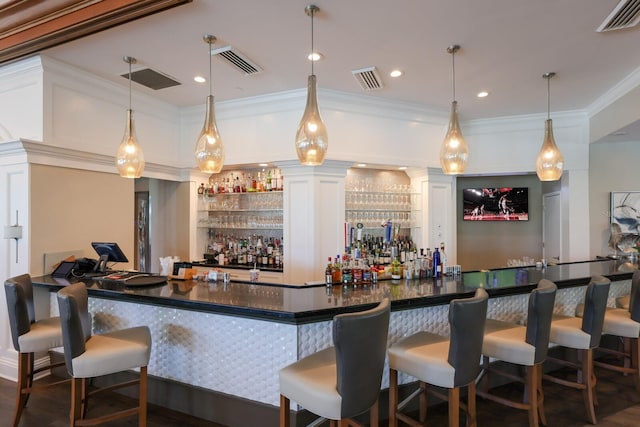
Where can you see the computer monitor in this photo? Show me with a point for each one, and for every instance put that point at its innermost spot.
(112, 251)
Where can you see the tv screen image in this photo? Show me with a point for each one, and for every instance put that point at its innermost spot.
(496, 204)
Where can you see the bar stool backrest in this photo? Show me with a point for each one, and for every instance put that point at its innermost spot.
(467, 318)
(360, 341)
(540, 312)
(595, 304)
(75, 321)
(634, 298)
(19, 293)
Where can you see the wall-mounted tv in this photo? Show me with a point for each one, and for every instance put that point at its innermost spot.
(496, 204)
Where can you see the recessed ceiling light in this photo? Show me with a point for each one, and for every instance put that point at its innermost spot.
(619, 133)
(402, 168)
(315, 56)
(395, 73)
(264, 165)
(482, 94)
(199, 79)
(362, 165)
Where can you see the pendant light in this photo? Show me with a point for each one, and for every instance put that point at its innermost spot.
(311, 139)
(454, 153)
(209, 149)
(549, 163)
(129, 158)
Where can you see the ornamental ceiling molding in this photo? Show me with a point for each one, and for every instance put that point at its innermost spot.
(28, 27)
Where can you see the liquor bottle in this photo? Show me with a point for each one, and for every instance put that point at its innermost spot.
(336, 274)
(443, 259)
(347, 272)
(436, 263)
(328, 273)
(267, 186)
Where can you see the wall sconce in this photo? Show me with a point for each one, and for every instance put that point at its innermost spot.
(13, 232)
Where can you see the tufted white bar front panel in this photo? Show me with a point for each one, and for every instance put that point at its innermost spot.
(242, 357)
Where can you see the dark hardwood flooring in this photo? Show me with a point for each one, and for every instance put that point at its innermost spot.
(619, 405)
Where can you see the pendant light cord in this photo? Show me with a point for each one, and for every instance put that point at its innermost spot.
(453, 72)
(312, 51)
(548, 97)
(210, 78)
(129, 61)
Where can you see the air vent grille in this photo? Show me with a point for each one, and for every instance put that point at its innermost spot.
(152, 79)
(626, 14)
(368, 78)
(237, 60)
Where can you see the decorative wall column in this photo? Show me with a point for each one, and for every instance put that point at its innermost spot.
(435, 215)
(313, 217)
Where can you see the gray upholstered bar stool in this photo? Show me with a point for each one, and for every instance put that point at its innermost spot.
(343, 381)
(624, 324)
(450, 363)
(625, 300)
(87, 356)
(524, 346)
(29, 336)
(582, 334)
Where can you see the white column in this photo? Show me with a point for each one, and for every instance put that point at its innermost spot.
(436, 215)
(14, 190)
(313, 217)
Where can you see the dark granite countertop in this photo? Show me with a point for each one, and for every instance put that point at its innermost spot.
(311, 303)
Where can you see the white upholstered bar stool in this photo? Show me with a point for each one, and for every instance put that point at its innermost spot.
(582, 334)
(524, 346)
(451, 363)
(29, 336)
(87, 356)
(343, 381)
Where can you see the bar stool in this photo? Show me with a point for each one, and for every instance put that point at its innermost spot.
(625, 300)
(341, 382)
(582, 334)
(88, 356)
(521, 345)
(29, 336)
(625, 324)
(435, 360)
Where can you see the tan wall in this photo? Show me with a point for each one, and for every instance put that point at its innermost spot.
(71, 208)
(488, 244)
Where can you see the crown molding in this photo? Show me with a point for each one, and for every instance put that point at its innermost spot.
(623, 87)
(34, 152)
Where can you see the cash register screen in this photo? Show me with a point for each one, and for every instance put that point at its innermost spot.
(111, 250)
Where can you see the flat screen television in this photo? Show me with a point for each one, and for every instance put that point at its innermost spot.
(112, 251)
(496, 204)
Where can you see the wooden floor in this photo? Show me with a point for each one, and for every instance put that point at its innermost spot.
(619, 405)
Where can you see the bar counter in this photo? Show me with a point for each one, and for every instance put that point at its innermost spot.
(227, 342)
(295, 304)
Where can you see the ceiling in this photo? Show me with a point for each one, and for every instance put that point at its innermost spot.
(506, 46)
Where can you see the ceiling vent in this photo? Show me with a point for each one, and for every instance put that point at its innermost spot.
(152, 79)
(625, 15)
(237, 60)
(368, 78)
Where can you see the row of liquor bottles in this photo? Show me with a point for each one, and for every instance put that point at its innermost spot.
(394, 261)
(259, 251)
(243, 182)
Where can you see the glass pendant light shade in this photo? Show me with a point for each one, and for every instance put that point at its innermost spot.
(454, 153)
(209, 148)
(129, 158)
(549, 164)
(311, 139)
